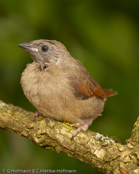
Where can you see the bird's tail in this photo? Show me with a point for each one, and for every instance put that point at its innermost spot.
(110, 92)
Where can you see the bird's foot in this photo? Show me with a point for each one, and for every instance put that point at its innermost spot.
(37, 113)
(84, 128)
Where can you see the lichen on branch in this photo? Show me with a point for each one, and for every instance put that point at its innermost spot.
(97, 150)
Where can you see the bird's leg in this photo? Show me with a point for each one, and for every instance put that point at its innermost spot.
(84, 127)
(37, 113)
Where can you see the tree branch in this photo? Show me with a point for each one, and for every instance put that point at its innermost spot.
(93, 148)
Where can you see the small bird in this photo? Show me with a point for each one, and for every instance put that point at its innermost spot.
(60, 87)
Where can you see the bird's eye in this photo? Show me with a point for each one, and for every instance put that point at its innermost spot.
(44, 48)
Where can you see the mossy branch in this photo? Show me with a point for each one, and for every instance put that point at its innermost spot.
(93, 148)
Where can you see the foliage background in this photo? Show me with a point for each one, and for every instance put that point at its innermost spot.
(103, 35)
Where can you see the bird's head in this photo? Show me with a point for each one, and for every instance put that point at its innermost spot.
(45, 51)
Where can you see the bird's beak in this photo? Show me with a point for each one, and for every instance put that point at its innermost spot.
(28, 46)
(25, 45)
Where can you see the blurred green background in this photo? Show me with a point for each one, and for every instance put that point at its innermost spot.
(103, 35)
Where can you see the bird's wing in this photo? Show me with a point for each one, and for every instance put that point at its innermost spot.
(84, 85)
(85, 89)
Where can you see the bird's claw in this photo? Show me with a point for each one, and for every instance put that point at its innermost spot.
(37, 113)
(84, 128)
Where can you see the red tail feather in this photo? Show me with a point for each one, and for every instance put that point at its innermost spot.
(110, 92)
